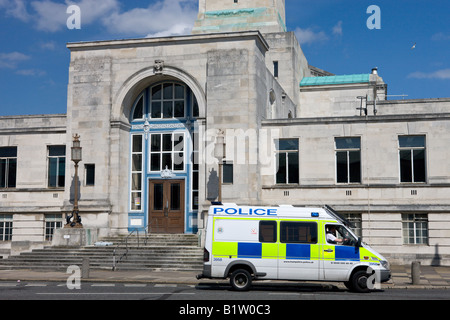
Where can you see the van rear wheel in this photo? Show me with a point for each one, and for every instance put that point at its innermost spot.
(241, 280)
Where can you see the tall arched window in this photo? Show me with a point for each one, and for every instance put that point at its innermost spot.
(163, 153)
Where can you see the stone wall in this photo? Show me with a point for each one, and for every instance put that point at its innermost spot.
(381, 198)
(31, 199)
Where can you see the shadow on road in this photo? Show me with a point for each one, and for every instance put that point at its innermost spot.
(274, 287)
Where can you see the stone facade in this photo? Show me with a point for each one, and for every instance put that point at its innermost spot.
(117, 75)
(380, 198)
(267, 16)
(27, 203)
(130, 100)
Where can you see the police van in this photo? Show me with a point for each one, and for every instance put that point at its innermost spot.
(246, 243)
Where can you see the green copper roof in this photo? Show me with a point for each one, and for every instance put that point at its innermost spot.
(343, 79)
(235, 12)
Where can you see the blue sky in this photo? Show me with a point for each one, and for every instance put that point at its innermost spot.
(34, 60)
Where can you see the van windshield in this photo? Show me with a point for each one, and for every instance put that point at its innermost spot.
(340, 235)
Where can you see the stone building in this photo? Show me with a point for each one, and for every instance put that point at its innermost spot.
(149, 110)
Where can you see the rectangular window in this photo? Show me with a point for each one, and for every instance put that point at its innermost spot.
(287, 151)
(136, 172)
(415, 228)
(8, 167)
(168, 101)
(298, 232)
(268, 231)
(6, 227)
(228, 172)
(275, 69)
(167, 151)
(348, 160)
(52, 222)
(195, 170)
(56, 166)
(412, 154)
(89, 174)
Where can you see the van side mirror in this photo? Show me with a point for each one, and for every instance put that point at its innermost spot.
(358, 243)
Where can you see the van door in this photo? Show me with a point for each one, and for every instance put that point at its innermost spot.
(298, 250)
(339, 252)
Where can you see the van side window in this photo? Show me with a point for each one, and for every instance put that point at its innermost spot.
(298, 232)
(337, 234)
(267, 231)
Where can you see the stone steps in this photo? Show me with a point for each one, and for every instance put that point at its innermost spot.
(156, 252)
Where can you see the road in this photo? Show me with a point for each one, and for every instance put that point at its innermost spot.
(203, 292)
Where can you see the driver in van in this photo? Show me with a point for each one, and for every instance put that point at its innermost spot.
(331, 236)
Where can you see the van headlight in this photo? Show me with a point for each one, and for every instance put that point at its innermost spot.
(385, 264)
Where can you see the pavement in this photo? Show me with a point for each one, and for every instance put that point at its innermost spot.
(431, 277)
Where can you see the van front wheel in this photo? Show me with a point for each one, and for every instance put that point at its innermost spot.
(241, 280)
(358, 282)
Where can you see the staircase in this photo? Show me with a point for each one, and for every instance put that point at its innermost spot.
(178, 252)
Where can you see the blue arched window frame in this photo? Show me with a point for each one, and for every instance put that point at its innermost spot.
(146, 125)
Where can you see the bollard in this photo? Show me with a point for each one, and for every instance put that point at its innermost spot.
(415, 272)
(85, 268)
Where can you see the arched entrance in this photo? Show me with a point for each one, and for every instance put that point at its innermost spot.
(163, 188)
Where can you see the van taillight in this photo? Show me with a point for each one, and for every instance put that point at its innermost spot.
(205, 255)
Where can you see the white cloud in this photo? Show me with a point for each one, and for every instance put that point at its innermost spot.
(442, 74)
(11, 60)
(163, 18)
(337, 29)
(177, 29)
(52, 16)
(440, 36)
(92, 10)
(159, 18)
(51, 45)
(16, 9)
(307, 36)
(315, 35)
(31, 72)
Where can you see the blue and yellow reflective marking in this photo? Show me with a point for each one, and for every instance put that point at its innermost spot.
(344, 253)
(292, 251)
(296, 251)
(249, 250)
